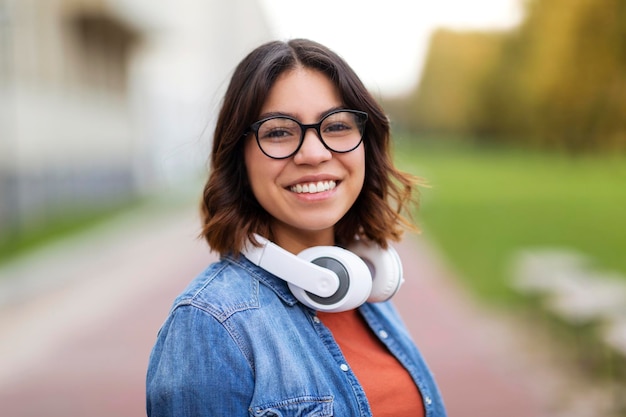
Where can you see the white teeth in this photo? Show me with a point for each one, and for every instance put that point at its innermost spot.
(312, 188)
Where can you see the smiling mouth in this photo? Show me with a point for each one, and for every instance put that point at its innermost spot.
(313, 187)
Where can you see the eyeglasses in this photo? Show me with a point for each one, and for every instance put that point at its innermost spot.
(280, 137)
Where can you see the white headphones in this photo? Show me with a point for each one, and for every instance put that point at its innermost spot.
(329, 278)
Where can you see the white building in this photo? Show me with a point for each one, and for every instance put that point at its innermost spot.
(102, 99)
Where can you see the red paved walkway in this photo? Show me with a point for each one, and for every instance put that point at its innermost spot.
(82, 349)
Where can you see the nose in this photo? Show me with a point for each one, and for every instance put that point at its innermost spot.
(312, 151)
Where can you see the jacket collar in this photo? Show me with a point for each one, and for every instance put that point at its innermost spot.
(276, 284)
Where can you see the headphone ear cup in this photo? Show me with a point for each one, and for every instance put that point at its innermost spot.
(385, 268)
(355, 281)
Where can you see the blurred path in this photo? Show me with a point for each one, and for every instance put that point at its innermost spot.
(488, 363)
(81, 346)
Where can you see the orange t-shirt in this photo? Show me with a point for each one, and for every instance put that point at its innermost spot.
(388, 386)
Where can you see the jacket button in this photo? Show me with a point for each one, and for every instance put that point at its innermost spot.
(344, 367)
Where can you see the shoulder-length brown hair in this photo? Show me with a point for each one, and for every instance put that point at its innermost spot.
(231, 213)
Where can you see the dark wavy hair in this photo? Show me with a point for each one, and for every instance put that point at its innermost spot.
(231, 213)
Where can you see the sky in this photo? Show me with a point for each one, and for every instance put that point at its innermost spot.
(385, 41)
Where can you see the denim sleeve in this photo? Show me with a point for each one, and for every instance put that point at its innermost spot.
(196, 369)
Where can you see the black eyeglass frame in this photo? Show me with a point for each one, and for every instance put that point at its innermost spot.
(254, 128)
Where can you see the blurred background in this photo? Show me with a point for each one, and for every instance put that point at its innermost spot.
(512, 111)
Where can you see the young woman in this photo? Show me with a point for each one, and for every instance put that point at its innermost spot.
(288, 323)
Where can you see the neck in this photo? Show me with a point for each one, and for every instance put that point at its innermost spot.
(295, 241)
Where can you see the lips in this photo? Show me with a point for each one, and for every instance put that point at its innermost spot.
(313, 187)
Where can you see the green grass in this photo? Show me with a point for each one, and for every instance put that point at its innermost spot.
(54, 226)
(484, 205)
(66, 221)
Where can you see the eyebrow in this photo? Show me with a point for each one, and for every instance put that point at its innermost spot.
(294, 116)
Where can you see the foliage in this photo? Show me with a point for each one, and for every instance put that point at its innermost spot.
(563, 76)
(447, 96)
(558, 81)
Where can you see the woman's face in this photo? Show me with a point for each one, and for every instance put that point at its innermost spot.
(304, 218)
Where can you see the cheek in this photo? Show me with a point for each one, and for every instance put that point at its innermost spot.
(251, 162)
(358, 165)
(248, 157)
(261, 170)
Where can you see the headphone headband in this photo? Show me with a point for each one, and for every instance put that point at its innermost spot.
(276, 260)
(329, 278)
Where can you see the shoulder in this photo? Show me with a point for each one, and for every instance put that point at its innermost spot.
(230, 285)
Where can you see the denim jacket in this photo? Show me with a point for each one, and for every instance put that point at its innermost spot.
(238, 343)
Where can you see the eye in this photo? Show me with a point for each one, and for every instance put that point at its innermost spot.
(337, 127)
(276, 133)
(278, 130)
(340, 124)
